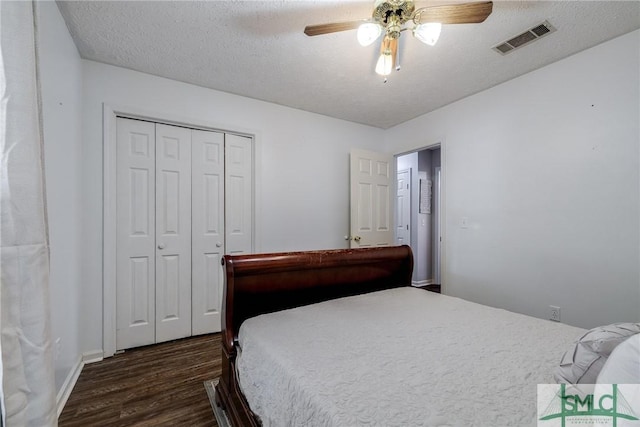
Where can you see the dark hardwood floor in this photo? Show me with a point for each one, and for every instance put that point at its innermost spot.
(157, 385)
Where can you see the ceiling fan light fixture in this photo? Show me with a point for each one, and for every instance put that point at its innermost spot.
(395, 16)
(368, 33)
(428, 33)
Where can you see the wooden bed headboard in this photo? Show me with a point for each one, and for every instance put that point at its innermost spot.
(263, 283)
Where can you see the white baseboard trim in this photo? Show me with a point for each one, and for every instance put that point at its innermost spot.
(421, 283)
(92, 356)
(69, 383)
(74, 374)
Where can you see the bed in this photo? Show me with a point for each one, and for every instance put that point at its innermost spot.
(340, 338)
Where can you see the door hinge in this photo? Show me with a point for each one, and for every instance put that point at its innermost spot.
(407, 226)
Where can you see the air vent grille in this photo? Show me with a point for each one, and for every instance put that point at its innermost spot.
(541, 29)
(525, 38)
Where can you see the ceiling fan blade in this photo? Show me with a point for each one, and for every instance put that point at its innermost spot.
(466, 13)
(316, 30)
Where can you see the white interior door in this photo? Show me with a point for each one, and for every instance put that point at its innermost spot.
(135, 233)
(207, 230)
(239, 194)
(370, 198)
(403, 208)
(173, 232)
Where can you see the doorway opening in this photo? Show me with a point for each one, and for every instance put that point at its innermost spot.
(419, 213)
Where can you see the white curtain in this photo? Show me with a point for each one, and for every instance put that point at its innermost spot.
(28, 387)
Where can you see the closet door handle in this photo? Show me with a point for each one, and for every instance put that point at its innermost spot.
(162, 246)
(218, 245)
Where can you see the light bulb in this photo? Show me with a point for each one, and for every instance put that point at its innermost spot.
(385, 64)
(368, 33)
(427, 33)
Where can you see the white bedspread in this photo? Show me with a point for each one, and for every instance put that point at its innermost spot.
(400, 357)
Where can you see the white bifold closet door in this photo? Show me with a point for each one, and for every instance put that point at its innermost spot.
(238, 205)
(208, 230)
(135, 234)
(171, 231)
(219, 161)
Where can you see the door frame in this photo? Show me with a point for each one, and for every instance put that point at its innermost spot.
(443, 205)
(437, 203)
(110, 113)
(410, 172)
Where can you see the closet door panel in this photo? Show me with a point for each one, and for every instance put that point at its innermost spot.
(173, 232)
(239, 197)
(135, 233)
(207, 230)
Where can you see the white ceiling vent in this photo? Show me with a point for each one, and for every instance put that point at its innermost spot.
(525, 38)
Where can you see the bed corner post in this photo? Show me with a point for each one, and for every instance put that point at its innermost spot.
(228, 337)
(228, 395)
(223, 391)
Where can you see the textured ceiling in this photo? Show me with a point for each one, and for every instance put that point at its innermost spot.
(257, 49)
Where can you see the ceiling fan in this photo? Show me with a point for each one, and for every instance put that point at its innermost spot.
(392, 17)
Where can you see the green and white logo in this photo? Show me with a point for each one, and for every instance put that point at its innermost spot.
(588, 405)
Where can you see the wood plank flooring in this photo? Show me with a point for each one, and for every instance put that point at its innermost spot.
(158, 385)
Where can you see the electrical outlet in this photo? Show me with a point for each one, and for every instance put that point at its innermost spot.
(554, 313)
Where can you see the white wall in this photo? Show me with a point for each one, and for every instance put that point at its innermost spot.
(61, 83)
(302, 164)
(545, 167)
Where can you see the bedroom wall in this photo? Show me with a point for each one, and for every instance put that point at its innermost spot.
(61, 84)
(302, 164)
(546, 169)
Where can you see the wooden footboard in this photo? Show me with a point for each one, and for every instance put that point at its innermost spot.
(264, 283)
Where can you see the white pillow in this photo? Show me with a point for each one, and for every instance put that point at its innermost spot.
(623, 366)
(582, 363)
